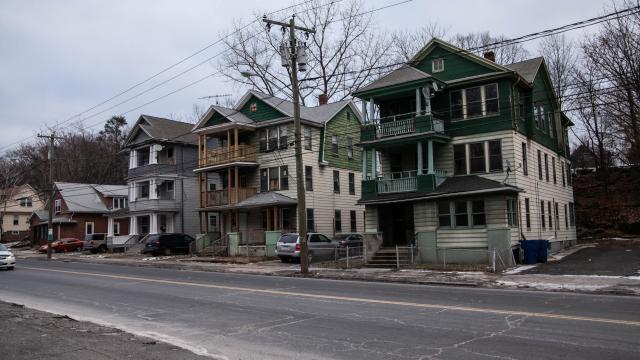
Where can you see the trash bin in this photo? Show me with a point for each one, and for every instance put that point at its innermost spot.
(530, 248)
(543, 247)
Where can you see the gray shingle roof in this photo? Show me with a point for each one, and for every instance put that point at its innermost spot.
(527, 68)
(85, 197)
(401, 75)
(319, 114)
(266, 199)
(232, 114)
(172, 130)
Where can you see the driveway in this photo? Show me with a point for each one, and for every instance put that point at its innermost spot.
(607, 258)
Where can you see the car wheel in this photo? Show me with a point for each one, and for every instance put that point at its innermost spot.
(102, 249)
(284, 259)
(167, 251)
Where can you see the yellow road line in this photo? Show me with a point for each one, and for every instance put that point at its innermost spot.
(353, 299)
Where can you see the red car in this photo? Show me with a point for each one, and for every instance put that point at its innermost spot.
(63, 245)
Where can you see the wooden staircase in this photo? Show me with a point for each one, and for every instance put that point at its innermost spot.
(386, 257)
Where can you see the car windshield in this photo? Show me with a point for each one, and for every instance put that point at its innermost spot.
(289, 239)
(152, 238)
(3, 248)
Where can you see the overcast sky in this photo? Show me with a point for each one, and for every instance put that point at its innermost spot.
(59, 58)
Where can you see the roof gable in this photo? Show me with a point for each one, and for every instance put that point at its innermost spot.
(163, 130)
(258, 109)
(458, 63)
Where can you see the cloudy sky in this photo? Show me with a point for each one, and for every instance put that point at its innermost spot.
(59, 58)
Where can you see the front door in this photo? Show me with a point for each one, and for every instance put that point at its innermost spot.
(396, 222)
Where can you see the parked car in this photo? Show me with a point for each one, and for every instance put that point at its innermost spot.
(25, 242)
(95, 243)
(167, 244)
(7, 259)
(353, 241)
(320, 247)
(63, 245)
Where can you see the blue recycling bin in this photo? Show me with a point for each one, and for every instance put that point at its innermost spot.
(535, 251)
(543, 250)
(530, 248)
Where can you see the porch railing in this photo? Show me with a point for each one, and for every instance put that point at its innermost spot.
(234, 153)
(397, 185)
(401, 124)
(228, 196)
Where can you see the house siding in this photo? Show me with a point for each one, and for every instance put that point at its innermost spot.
(344, 126)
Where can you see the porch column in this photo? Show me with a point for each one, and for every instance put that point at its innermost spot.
(228, 145)
(364, 164)
(228, 186)
(133, 226)
(236, 184)
(418, 101)
(200, 158)
(420, 158)
(430, 157)
(374, 167)
(363, 106)
(109, 226)
(153, 194)
(427, 102)
(153, 224)
(235, 143)
(371, 110)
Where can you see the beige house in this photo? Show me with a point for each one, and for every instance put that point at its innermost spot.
(16, 206)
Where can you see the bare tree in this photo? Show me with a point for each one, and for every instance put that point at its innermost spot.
(344, 53)
(561, 57)
(615, 53)
(407, 43)
(10, 177)
(481, 42)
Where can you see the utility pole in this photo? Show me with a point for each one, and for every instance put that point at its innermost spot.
(52, 138)
(293, 59)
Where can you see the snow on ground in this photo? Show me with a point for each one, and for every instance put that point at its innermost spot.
(519, 269)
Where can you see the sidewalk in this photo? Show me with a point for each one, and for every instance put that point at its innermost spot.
(512, 279)
(32, 334)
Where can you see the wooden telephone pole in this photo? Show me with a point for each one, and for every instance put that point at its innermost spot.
(52, 138)
(293, 59)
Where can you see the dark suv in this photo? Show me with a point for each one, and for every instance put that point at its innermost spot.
(167, 244)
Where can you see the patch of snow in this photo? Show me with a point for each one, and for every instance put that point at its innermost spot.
(551, 286)
(519, 269)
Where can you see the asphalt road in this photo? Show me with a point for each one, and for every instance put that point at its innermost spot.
(261, 317)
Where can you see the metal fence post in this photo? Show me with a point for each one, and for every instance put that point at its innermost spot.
(493, 260)
(347, 256)
(411, 249)
(397, 258)
(444, 258)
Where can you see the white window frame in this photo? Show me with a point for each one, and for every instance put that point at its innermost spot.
(437, 65)
(483, 102)
(512, 213)
(308, 136)
(57, 205)
(116, 228)
(93, 228)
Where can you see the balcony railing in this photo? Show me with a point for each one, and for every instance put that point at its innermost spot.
(223, 155)
(402, 124)
(407, 181)
(228, 196)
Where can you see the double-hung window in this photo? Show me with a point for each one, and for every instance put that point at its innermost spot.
(444, 214)
(476, 158)
(546, 167)
(352, 184)
(572, 214)
(275, 178)
(272, 138)
(461, 214)
(539, 165)
(310, 221)
(478, 216)
(352, 216)
(57, 205)
(459, 159)
(474, 102)
(437, 65)
(542, 218)
(495, 155)
(307, 138)
(337, 221)
(334, 144)
(350, 148)
(562, 173)
(527, 214)
(525, 164)
(308, 178)
(553, 168)
(336, 182)
(550, 215)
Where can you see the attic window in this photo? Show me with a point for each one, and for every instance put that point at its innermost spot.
(253, 107)
(437, 65)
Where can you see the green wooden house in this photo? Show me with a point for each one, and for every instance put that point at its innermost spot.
(463, 155)
(246, 168)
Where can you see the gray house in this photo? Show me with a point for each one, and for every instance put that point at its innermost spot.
(163, 189)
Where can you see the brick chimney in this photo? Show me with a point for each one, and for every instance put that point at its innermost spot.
(490, 55)
(323, 99)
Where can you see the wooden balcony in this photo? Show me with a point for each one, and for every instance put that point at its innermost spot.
(221, 156)
(401, 182)
(228, 196)
(403, 124)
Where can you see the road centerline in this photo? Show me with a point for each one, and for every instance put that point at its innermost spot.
(349, 299)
